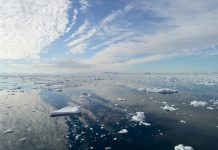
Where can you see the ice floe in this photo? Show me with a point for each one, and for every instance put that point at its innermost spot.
(107, 148)
(198, 103)
(66, 111)
(182, 121)
(169, 108)
(123, 131)
(121, 99)
(159, 90)
(23, 139)
(182, 147)
(9, 131)
(139, 117)
(210, 108)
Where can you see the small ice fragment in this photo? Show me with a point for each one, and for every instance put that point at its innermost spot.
(210, 108)
(65, 111)
(169, 108)
(103, 135)
(182, 121)
(9, 131)
(182, 147)
(107, 148)
(198, 103)
(114, 139)
(139, 117)
(121, 99)
(23, 139)
(160, 90)
(123, 131)
(77, 137)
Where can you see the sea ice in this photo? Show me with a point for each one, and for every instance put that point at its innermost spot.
(210, 108)
(107, 148)
(198, 103)
(169, 108)
(182, 121)
(139, 117)
(159, 90)
(121, 99)
(182, 147)
(123, 131)
(65, 111)
(23, 139)
(9, 131)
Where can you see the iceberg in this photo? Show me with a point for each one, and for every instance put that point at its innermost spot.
(159, 90)
(9, 131)
(198, 103)
(139, 117)
(182, 147)
(66, 111)
(123, 131)
(121, 99)
(169, 108)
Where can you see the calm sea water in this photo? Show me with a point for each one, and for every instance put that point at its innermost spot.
(26, 102)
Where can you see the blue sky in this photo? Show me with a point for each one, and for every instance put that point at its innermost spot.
(68, 36)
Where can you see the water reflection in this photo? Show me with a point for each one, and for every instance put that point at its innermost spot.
(27, 102)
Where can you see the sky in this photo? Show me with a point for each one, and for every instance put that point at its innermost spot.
(71, 36)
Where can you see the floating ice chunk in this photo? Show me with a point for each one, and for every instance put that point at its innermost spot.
(121, 99)
(66, 111)
(210, 108)
(159, 90)
(169, 108)
(107, 148)
(182, 147)
(198, 103)
(139, 117)
(23, 139)
(9, 131)
(77, 137)
(123, 131)
(182, 121)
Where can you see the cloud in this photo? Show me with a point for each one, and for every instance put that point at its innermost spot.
(84, 5)
(26, 27)
(188, 28)
(75, 13)
(85, 32)
(82, 29)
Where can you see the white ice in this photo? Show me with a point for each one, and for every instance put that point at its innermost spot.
(169, 108)
(159, 90)
(121, 99)
(139, 117)
(123, 131)
(9, 131)
(198, 103)
(182, 147)
(66, 111)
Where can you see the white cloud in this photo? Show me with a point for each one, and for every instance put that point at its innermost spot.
(82, 29)
(75, 13)
(85, 32)
(188, 29)
(28, 26)
(84, 5)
